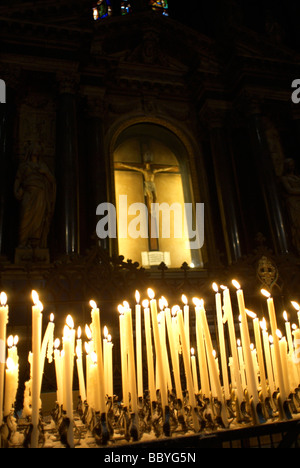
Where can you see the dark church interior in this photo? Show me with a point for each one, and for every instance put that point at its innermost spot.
(206, 93)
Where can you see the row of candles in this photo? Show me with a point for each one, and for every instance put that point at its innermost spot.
(271, 365)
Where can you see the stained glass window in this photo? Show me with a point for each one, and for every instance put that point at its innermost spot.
(102, 9)
(160, 5)
(125, 7)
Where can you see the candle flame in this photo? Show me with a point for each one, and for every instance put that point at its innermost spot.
(236, 284)
(238, 341)
(196, 301)
(165, 302)
(35, 297)
(3, 298)
(214, 352)
(70, 321)
(16, 340)
(109, 338)
(294, 326)
(150, 293)
(251, 346)
(137, 296)
(120, 309)
(51, 317)
(265, 293)
(295, 305)
(126, 305)
(278, 333)
(215, 287)
(88, 332)
(105, 331)
(79, 332)
(223, 287)
(192, 351)
(251, 314)
(145, 303)
(271, 339)
(161, 304)
(56, 343)
(87, 347)
(263, 324)
(10, 341)
(93, 304)
(10, 363)
(184, 299)
(94, 357)
(175, 309)
(285, 315)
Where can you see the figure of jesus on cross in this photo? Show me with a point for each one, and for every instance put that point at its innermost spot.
(149, 171)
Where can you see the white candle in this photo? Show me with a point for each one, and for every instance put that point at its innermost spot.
(186, 315)
(138, 337)
(11, 385)
(251, 379)
(194, 371)
(204, 377)
(162, 378)
(260, 357)
(110, 365)
(277, 362)
(288, 333)
(58, 372)
(3, 324)
(297, 307)
(36, 365)
(149, 351)
(79, 363)
(267, 353)
(68, 368)
(241, 364)
(124, 354)
(284, 361)
(47, 342)
(228, 317)
(95, 314)
(131, 359)
(174, 355)
(222, 341)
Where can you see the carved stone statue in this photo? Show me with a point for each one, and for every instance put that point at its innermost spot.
(35, 188)
(291, 186)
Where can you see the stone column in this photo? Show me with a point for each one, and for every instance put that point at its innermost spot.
(227, 196)
(266, 175)
(96, 164)
(67, 202)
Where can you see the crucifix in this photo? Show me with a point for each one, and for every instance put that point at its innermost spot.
(149, 171)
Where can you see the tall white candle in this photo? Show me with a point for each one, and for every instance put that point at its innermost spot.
(95, 314)
(11, 385)
(3, 324)
(288, 333)
(223, 353)
(174, 355)
(186, 316)
(260, 357)
(268, 359)
(79, 363)
(204, 377)
(250, 373)
(297, 307)
(131, 359)
(124, 356)
(36, 365)
(138, 338)
(47, 340)
(194, 371)
(149, 351)
(158, 349)
(278, 364)
(58, 372)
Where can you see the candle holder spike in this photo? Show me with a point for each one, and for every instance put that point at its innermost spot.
(100, 430)
(134, 427)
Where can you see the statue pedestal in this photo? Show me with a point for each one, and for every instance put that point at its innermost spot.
(30, 255)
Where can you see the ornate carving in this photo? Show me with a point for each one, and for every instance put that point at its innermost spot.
(267, 272)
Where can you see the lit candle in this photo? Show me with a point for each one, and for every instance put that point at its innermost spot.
(174, 355)
(58, 372)
(79, 363)
(149, 351)
(105, 358)
(68, 368)
(222, 341)
(3, 324)
(296, 355)
(186, 316)
(47, 342)
(267, 352)
(288, 333)
(212, 363)
(241, 363)
(138, 335)
(11, 385)
(110, 365)
(187, 368)
(162, 379)
(260, 357)
(278, 364)
(204, 377)
(228, 317)
(12, 348)
(194, 371)
(162, 329)
(284, 361)
(36, 366)
(131, 358)
(95, 314)
(251, 379)
(124, 353)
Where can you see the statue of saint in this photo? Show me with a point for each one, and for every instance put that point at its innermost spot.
(35, 188)
(291, 185)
